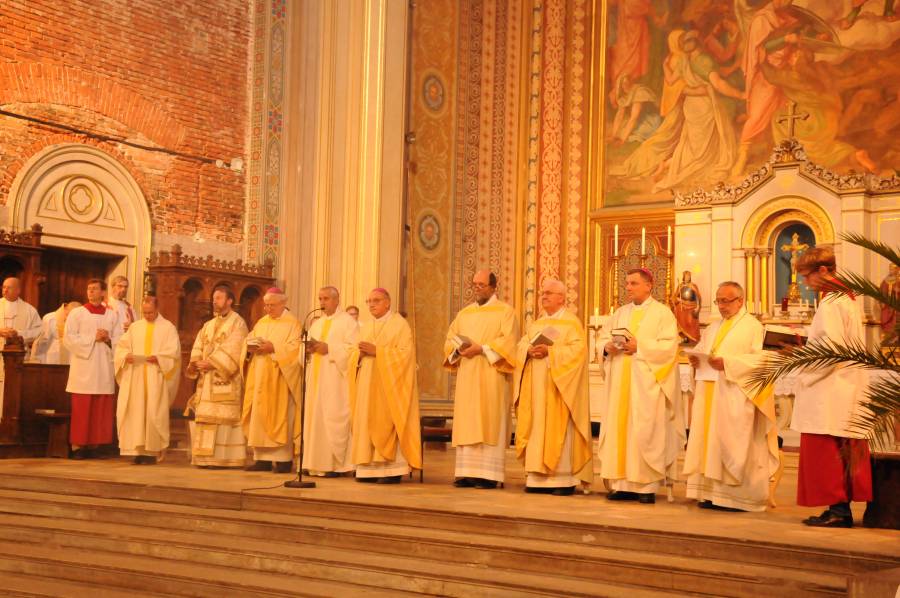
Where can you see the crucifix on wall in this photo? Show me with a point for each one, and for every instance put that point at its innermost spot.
(792, 117)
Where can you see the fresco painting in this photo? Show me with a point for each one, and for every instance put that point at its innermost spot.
(698, 91)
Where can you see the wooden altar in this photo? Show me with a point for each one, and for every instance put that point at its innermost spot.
(184, 285)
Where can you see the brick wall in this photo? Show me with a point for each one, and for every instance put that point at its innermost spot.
(155, 72)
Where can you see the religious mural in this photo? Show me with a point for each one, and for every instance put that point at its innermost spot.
(699, 91)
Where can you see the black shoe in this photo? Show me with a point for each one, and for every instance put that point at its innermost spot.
(538, 490)
(281, 466)
(81, 454)
(705, 504)
(829, 519)
(647, 499)
(391, 479)
(485, 484)
(621, 495)
(330, 474)
(259, 466)
(464, 482)
(716, 507)
(567, 491)
(367, 480)
(144, 460)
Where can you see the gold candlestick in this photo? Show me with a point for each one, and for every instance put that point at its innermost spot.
(670, 266)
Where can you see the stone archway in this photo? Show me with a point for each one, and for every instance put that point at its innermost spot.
(85, 200)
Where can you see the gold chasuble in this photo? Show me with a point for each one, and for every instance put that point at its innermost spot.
(733, 449)
(384, 398)
(216, 435)
(481, 400)
(273, 385)
(643, 428)
(553, 428)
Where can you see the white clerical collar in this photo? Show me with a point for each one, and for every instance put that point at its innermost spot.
(737, 315)
(558, 313)
(385, 316)
(646, 302)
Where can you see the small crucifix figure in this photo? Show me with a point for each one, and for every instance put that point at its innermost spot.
(792, 117)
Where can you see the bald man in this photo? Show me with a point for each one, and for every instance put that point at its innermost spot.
(481, 350)
(384, 398)
(553, 422)
(18, 317)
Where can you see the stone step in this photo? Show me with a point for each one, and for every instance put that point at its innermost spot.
(533, 556)
(17, 585)
(167, 577)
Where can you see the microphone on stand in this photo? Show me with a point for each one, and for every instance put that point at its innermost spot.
(300, 482)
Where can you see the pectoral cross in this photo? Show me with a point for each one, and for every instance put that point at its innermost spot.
(792, 117)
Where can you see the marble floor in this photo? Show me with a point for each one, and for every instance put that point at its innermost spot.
(780, 525)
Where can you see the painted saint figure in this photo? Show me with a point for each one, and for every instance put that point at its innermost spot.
(686, 303)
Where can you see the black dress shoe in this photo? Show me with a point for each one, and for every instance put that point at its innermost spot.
(331, 474)
(538, 490)
(80, 454)
(367, 480)
(705, 504)
(621, 495)
(647, 498)
(464, 482)
(829, 519)
(391, 479)
(716, 507)
(567, 491)
(282, 467)
(482, 484)
(259, 466)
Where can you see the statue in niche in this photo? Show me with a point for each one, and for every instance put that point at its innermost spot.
(890, 286)
(686, 303)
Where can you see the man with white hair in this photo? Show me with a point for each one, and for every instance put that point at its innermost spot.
(553, 422)
(384, 397)
(733, 448)
(643, 428)
(271, 415)
(327, 441)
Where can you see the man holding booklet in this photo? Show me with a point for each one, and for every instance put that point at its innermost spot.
(550, 385)
(733, 448)
(643, 429)
(481, 349)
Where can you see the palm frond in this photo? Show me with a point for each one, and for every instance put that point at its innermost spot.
(821, 354)
(879, 415)
(882, 249)
(859, 285)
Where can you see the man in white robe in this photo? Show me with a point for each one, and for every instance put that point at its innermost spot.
(147, 362)
(118, 291)
(327, 441)
(19, 319)
(89, 339)
(48, 347)
(733, 448)
(643, 429)
(217, 439)
(481, 349)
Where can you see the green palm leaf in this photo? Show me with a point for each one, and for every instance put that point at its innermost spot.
(882, 249)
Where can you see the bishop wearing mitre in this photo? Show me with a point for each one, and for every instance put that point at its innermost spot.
(217, 439)
(271, 411)
(733, 448)
(384, 397)
(550, 385)
(481, 349)
(147, 362)
(643, 427)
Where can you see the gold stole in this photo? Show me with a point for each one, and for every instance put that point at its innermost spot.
(148, 350)
(634, 324)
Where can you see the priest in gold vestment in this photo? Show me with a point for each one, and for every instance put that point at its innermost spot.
(643, 427)
(217, 439)
(384, 397)
(733, 448)
(147, 363)
(271, 414)
(550, 385)
(481, 348)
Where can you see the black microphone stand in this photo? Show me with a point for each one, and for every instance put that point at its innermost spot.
(299, 482)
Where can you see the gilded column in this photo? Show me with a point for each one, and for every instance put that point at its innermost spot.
(749, 255)
(764, 279)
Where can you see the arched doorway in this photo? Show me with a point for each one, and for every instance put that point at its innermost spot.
(93, 213)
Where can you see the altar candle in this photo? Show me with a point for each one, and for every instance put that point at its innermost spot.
(643, 241)
(616, 242)
(815, 302)
(669, 240)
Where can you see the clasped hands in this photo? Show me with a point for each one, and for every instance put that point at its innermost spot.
(102, 336)
(629, 348)
(538, 351)
(201, 365)
(470, 350)
(263, 348)
(8, 332)
(716, 363)
(150, 359)
(367, 349)
(317, 347)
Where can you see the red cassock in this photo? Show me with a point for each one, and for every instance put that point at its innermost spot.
(833, 470)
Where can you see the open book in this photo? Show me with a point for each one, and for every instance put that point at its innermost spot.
(547, 336)
(776, 336)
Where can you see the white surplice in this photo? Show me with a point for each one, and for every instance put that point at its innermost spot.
(733, 448)
(91, 362)
(327, 440)
(146, 390)
(25, 319)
